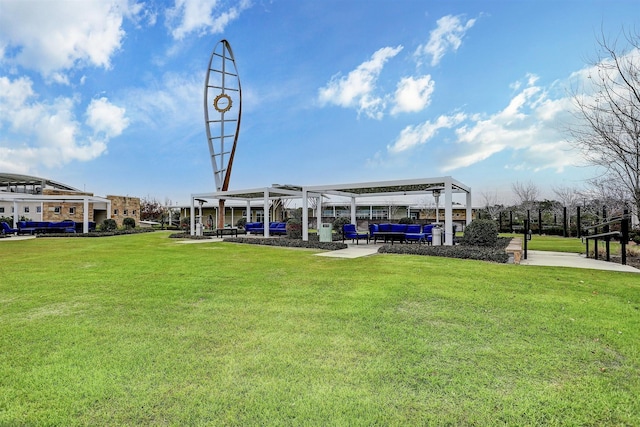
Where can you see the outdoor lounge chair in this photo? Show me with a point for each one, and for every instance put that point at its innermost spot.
(349, 231)
(6, 229)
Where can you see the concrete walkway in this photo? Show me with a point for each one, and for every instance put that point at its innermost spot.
(564, 259)
(353, 251)
(17, 238)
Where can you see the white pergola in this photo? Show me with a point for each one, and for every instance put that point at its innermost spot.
(265, 194)
(410, 187)
(18, 198)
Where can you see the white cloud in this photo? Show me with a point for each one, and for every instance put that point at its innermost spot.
(202, 16)
(48, 134)
(53, 37)
(168, 102)
(357, 89)
(530, 126)
(413, 95)
(446, 36)
(412, 136)
(106, 118)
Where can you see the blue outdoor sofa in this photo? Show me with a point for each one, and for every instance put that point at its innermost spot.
(275, 228)
(409, 232)
(40, 227)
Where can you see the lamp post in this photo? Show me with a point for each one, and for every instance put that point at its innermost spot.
(199, 223)
(436, 195)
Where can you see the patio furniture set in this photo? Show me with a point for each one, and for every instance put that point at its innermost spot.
(391, 233)
(43, 227)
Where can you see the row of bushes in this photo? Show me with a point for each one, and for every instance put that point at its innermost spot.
(289, 243)
(495, 253)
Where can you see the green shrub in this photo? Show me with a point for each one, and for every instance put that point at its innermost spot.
(108, 225)
(406, 220)
(129, 223)
(339, 222)
(294, 228)
(241, 222)
(481, 232)
(289, 243)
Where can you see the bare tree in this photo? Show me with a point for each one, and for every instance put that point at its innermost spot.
(527, 194)
(604, 192)
(608, 131)
(491, 205)
(568, 197)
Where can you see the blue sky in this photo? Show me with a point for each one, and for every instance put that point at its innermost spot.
(107, 95)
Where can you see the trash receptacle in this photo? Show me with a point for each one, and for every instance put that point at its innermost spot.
(326, 232)
(436, 239)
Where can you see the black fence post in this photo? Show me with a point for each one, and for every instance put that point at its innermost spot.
(525, 237)
(624, 236)
(578, 225)
(540, 222)
(564, 221)
(605, 229)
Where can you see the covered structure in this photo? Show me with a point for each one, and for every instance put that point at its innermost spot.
(446, 186)
(18, 198)
(266, 194)
(19, 189)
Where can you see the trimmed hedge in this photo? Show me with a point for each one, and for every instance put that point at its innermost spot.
(288, 243)
(495, 253)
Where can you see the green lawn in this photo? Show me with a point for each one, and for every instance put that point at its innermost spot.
(141, 330)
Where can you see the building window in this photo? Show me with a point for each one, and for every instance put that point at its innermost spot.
(72, 211)
(126, 212)
(57, 209)
(38, 209)
(26, 209)
(133, 212)
(1, 210)
(115, 211)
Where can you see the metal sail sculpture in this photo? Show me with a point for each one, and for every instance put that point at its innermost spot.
(222, 112)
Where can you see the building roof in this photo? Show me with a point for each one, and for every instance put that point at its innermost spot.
(10, 182)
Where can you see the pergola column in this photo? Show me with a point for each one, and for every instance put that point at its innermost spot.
(448, 213)
(305, 216)
(192, 219)
(85, 215)
(318, 211)
(248, 210)
(15, 214)
(266, 213)
(353, 210)
(469, 209)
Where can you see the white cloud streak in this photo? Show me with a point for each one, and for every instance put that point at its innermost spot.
(202, 16)
(447, 36)
(412, 136)
(357, 89)
(530, 127)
